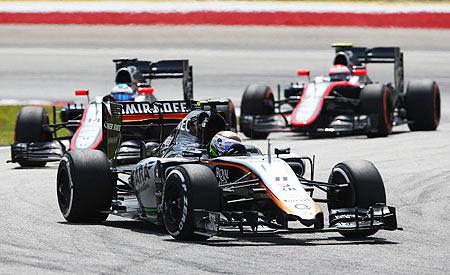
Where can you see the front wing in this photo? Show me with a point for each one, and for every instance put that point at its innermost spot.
(378, 217)
(37, 151)
(279, 123)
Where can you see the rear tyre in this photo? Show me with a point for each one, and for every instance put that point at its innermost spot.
(256, 100)
(84, 186)
(32, 126)
(375, 100)
(423, 105)
(188, 187)
(230, 115)
(366, 188)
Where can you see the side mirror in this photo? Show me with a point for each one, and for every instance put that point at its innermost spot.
(304, 73)
(282, 151)
(192, 153)
(359, 72)
(145, 91)
(82, 92)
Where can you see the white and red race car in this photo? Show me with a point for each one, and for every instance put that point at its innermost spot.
(344, 101)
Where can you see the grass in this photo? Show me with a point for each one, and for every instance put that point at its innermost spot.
(8, 122)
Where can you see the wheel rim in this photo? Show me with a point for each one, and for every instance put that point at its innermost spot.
(436, 106)
(232, 117)
(172, 204)
(269, 104)
(387, 117)
(343, 198)
(45, 134)
(63, 191)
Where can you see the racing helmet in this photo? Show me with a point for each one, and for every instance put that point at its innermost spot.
(339, 72)
(122, 92)
(226, 143)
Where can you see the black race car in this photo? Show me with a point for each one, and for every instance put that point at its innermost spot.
(345, 101)
(38, 141)
(196, 196)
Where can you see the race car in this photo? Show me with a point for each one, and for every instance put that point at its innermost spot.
(37, 141)
(203, 181)
(346, 101)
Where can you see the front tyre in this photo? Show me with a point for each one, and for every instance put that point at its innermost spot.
(84, 186)
(365, 189)
(256, 100)
(188, 187)
(375, 101)
(32, 125)
(230, 115)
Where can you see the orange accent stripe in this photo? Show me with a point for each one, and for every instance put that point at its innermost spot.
(243, 168)
(278, 202)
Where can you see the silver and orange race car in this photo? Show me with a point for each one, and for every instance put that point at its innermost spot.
(196, 196)
(346, 101)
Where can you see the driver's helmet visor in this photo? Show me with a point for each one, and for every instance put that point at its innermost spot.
(339, 76)
(122, 96)
(222, 145)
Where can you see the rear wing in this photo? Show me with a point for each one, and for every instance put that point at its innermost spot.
(146, 71)
(348, 55)
(140, 120)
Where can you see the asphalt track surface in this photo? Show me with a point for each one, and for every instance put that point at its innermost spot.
(49, 62)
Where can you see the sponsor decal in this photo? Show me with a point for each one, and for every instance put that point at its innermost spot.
(184, 125)
(140, 176)
(287, 187)
(112, 126)
(222, 175)
(212, 223)
(302, 206)
(139, 108)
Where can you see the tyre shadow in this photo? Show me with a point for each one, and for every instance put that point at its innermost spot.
(278, 240)
(35, 168)
(236, 240)
(133, 225)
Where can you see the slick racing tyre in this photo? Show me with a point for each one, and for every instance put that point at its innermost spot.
(375, 101)
(32, 126)
(423, 105)
(256, 100)
(188, 187)
(84, 186)
(366, 188)
(230, 115)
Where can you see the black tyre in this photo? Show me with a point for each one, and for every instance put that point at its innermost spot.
(423, 105)
(375, 100)
(188, 187)
(366, 188)
(230, 115)
(84, 186)
(32, 126)
(256, 100)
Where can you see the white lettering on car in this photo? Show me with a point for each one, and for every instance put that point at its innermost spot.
(183, 107)
(222, 175)
(176, 107)
(167, 108)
